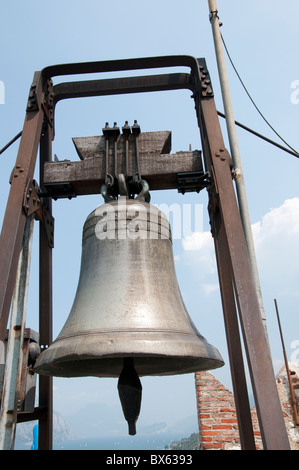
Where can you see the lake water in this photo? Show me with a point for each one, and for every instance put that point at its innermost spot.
(118, 443)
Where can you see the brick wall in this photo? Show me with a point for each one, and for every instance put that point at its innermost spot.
(217, 417)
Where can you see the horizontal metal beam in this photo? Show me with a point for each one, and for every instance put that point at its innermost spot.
(120, 65)
(113, 86)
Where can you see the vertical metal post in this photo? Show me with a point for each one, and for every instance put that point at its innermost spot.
(232, 333)
(14, 356)
(218, 162)
(45, 303)
(235, 152)
(15, 218)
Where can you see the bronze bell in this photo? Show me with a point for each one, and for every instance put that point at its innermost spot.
(128, 303)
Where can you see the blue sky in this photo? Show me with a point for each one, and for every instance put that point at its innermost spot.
(262, 38)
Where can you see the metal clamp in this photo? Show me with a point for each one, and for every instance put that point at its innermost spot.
(122, 184)
(193, 181)
(136, 131)
(126, 130)
(144, 194)
(110, 133)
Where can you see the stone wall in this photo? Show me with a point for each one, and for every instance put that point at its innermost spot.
(286, 403)
(217, 418)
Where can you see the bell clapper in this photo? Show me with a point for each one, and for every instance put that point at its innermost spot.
(130, 391)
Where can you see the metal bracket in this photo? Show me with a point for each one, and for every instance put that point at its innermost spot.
(193, 181)
(61, 190)
(31, 349)
(33, 205)
(31, 201)
(206, 85)
(32, 99)
(48, 104)
(27, 383)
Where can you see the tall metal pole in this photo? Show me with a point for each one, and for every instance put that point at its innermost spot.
(235, 152)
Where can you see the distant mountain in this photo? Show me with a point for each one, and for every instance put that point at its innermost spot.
(185, 426)
(155, 428)
(97, 420)
(187, 443)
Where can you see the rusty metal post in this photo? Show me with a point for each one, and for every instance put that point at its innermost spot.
(45, 301)
(38, 114)
(15, 217)
(232, 332)
(218, 161)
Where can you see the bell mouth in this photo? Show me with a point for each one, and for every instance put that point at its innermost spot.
(112, 366)
(154, 352)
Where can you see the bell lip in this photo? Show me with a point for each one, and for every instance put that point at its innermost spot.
(176, 365)
(170, 354)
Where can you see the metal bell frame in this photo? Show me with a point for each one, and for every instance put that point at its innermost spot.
(238, 293)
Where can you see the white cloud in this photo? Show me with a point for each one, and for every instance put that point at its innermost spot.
(198, 241)
(279, 224)
(203, 245)
(276, 238)
(282, 222)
